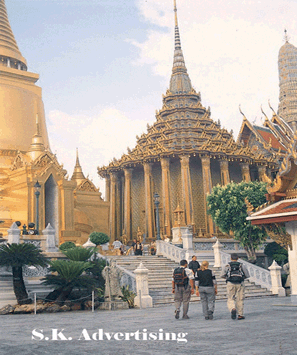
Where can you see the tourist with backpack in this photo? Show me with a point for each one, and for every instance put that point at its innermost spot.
(183, 288)
(235, 273)
(206, 287)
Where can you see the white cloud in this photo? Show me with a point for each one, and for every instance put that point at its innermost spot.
(98, 138)
(230, 49)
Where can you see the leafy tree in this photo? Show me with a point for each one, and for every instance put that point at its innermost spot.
(227, 207)
(69, 276)
(276, 252)
(99, 238)
(67, 245)
(16, 256)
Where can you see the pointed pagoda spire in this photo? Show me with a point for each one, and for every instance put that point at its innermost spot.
(10, 54)
(77, 175)
(37, 145)
(180, 81)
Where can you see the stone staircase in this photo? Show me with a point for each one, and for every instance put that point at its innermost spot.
(160, 277)
(33, 285)
(6, 291)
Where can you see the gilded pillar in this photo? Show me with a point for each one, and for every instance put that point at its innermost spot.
(245, 171)
(112, 209)
(107, 188)
(166, 194)
(207, 186)
(127, 202)
(186, 189)
(261, 172)
(225, 177)
(148, 200)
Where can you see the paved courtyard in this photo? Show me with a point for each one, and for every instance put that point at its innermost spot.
(267, 329)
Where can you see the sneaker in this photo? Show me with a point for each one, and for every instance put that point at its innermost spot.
(240, 317)
(233, 313)
(186, 316)
(207, 317)
(210, 316)
(176, 314)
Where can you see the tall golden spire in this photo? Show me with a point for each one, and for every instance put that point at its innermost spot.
(10, 54)
(180, 81)
(77, 175)
(37, 145)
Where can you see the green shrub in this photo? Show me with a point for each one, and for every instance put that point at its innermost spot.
(128, 296)
(79, 253)
(67, 245)
(99, 238)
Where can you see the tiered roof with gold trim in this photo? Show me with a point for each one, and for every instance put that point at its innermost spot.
(183, 126)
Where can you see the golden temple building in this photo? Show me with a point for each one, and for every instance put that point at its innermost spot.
(180, 157)
(74, 208)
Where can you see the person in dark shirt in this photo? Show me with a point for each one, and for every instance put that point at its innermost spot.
(206, 287)
(194, 264)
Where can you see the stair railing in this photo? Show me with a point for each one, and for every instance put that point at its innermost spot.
(170, 251)
(128, 279)
(258, 275)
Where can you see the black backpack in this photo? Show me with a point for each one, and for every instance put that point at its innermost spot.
(235, 273)
(180, 276)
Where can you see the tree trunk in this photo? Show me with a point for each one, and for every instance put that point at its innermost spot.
(19, 287)
(64, 294)
(251, 254)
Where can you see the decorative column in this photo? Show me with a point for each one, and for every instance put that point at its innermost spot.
(13, 234)
(225, 177)
(276, 280)
(49, 234)
(127, 202)
(186, 189)
(166, 194)
(261, 172)
(112, 208)
(107, 188)
(245, 171)
(291, 228)
(207, 186)
(143, 299)
(217, 247)
(148, 200)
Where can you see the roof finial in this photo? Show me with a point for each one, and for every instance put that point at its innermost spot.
(286, 37)
(175, 10)
(242, 112)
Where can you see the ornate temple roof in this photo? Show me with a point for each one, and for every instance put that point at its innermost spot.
(8, 45)
(273, 137)
(183, 127)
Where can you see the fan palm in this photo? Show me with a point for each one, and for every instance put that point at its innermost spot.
(16, 256)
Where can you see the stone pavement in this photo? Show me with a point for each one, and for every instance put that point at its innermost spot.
(267, 329)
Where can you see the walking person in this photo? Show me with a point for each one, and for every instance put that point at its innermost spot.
(194, 264)
(138, 248)
(235, 273)
(183, 288)
(206, 286)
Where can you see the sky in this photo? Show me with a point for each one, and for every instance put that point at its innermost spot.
(104, 65)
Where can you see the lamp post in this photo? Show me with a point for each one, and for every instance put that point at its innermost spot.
(37, 188)
(157, 203)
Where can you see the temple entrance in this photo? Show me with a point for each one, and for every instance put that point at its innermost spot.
(51, 205)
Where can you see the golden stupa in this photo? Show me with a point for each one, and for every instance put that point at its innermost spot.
(74, 208)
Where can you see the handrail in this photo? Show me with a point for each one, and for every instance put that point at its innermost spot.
(170, 251)
(258, 275)
(128, 278)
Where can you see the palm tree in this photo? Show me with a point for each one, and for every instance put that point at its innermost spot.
(69, 277)
(16, 256)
